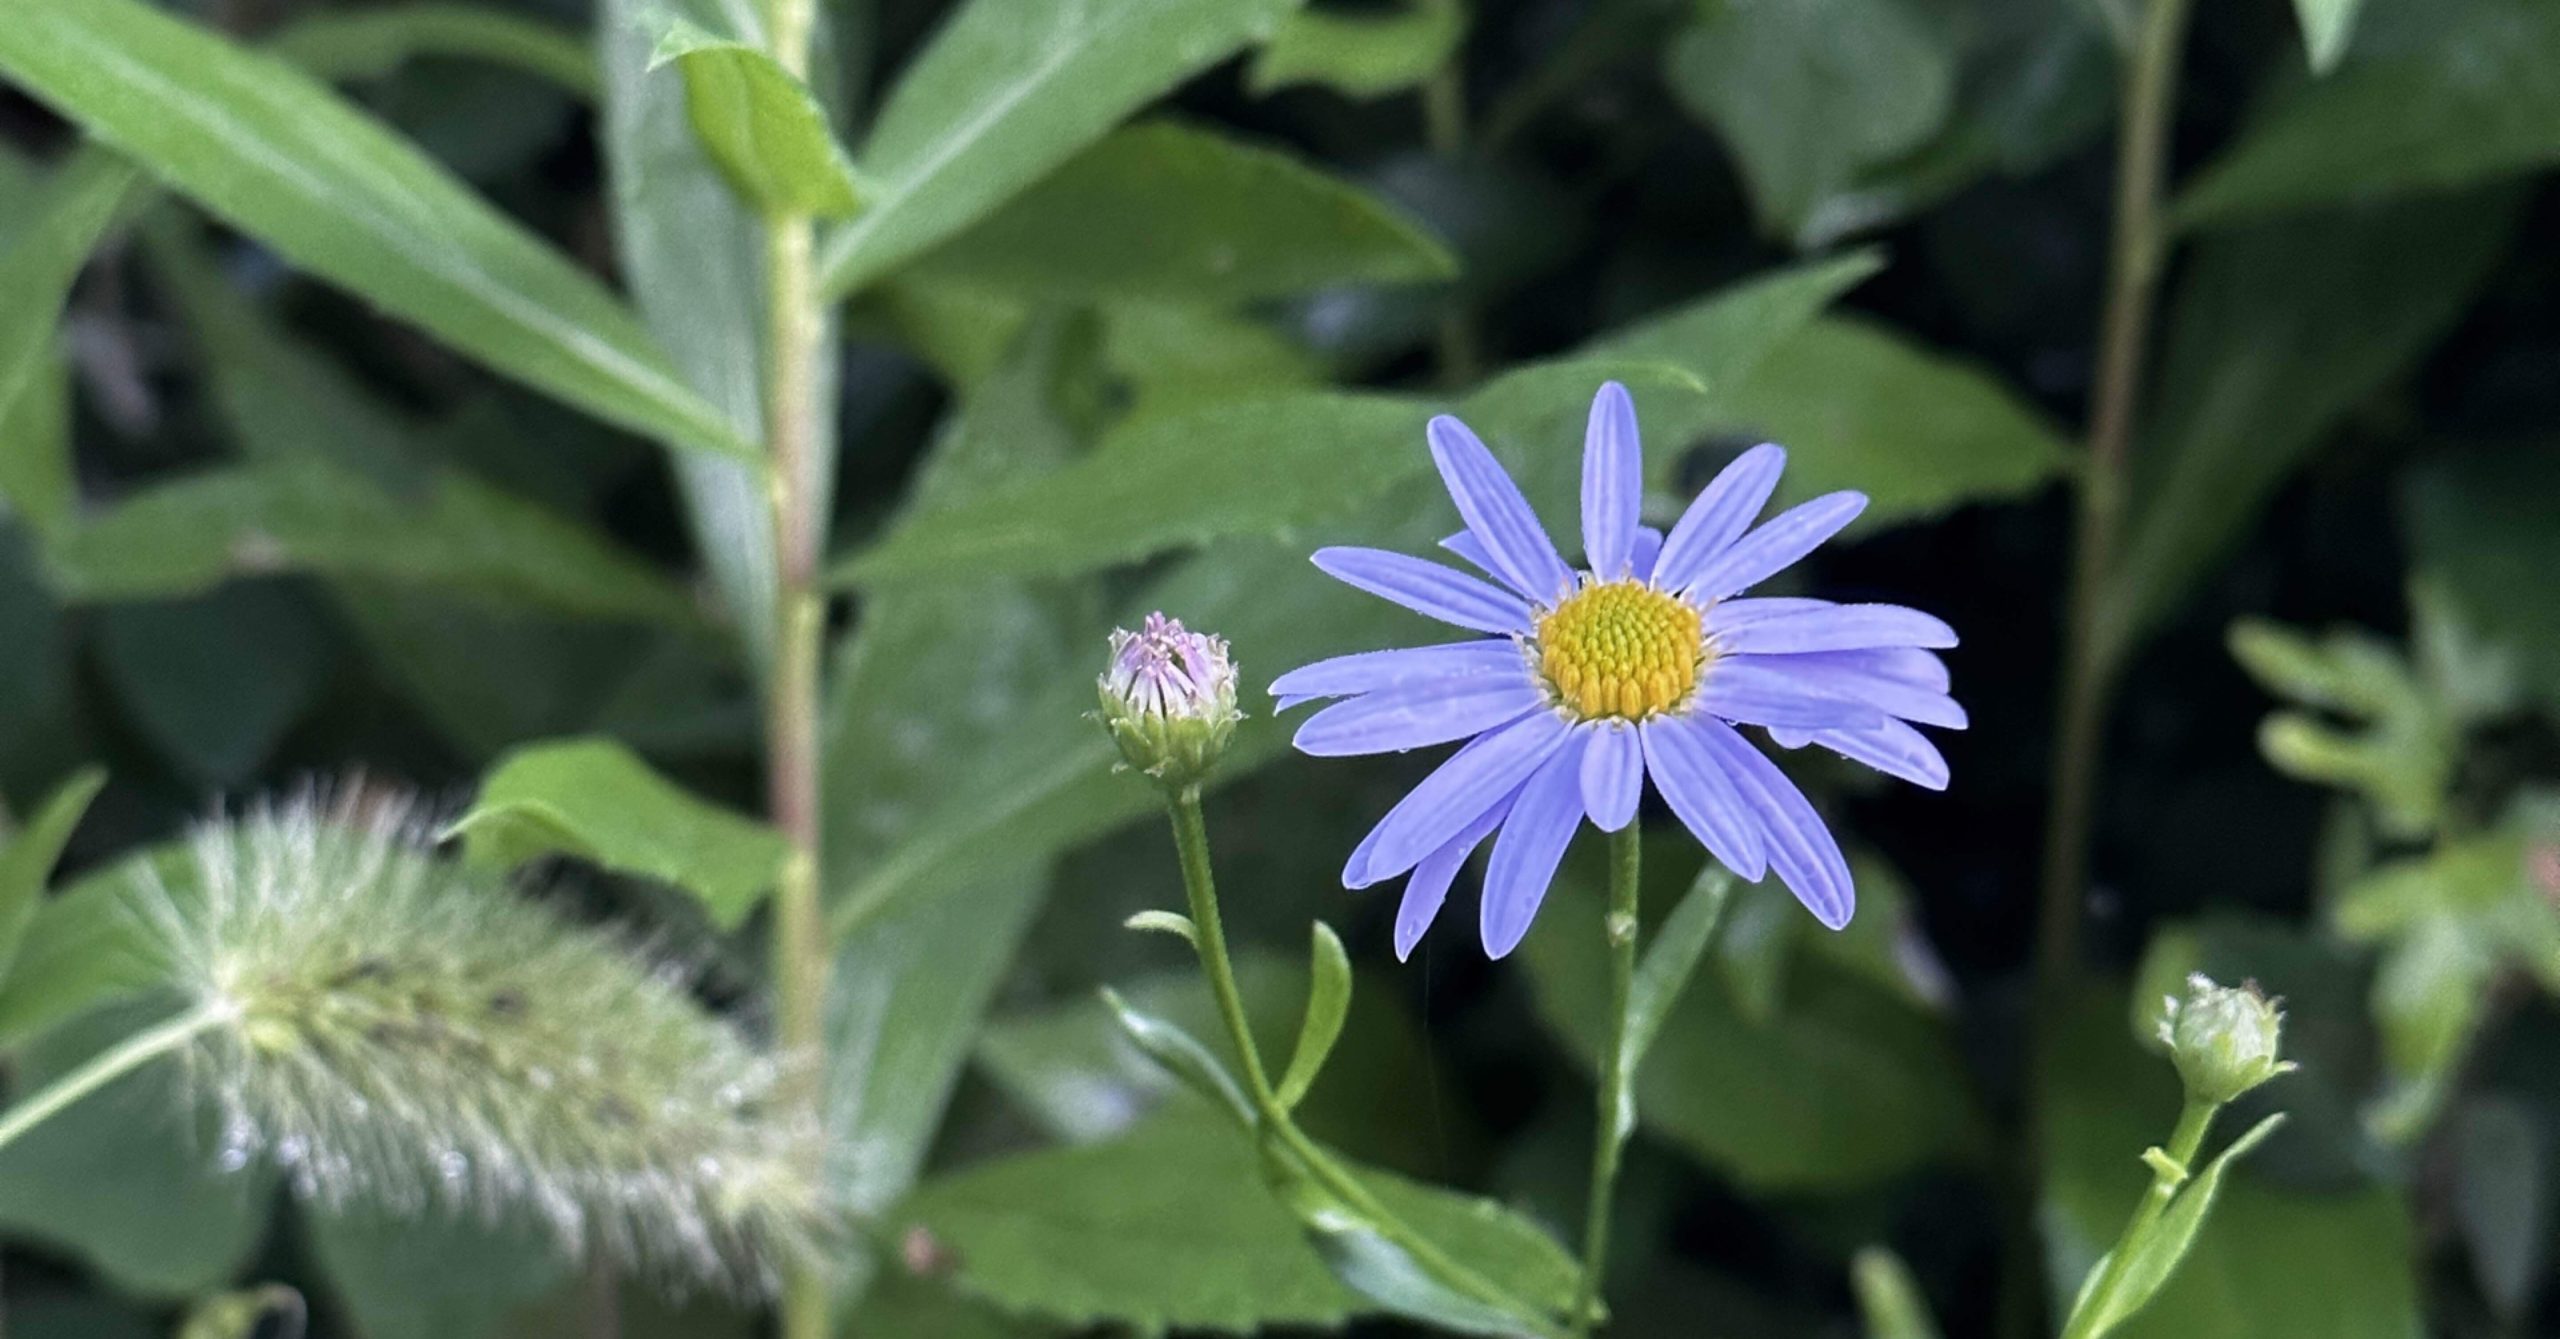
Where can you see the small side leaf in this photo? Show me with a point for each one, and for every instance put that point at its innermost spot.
(1360, 54)
(1888, 1298)
(29, 856)
(2159, 1253)
(1678, 946)
(275, 1311)
(1164, 922)
(1328, 1003)
(1182, 1056)
(764, 129)
(595, 799)
(37, 269)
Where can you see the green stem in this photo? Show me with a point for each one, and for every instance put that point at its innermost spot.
(2183, 1144)
(1615, 1116)
(1444, 128)
(2095, 643)
(107, 1066)
(1200, 890)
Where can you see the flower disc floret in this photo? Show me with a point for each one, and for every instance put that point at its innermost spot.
(1620, 650)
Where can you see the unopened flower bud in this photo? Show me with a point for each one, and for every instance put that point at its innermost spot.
(1169, 699)
(2225, 1040)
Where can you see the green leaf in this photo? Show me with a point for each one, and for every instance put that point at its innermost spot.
(1173, 1227)
(1006, 92)
(88, 945)
(596, 800)
(1259, 466)
(1360, 54)
(1167, 1227)
(2458, 95)
(763, 127)
(2274, 335)
(2402, 752)
(2268, 1264)
(27, 859)
(1165, 922)
(1328, 1003)
(2326, 25)
(1045, 781)
(37, 485)
(1888, 1297)
(1672, 957)
(2157, 1255)
(1842, 1086)
(1167, 212)
(2480, 525)
(371, 43)
(215, 681)
(1184, 1057)
(693, 255)
(37, 270)
(128, 1180)
(923, 684)
(1808, 92)
(279, 156)
(190, 535)
(1858, 404)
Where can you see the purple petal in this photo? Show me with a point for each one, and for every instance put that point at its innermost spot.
(1720, 513)
(1368, 671)
(1696, 788)
(1788, 738)
(1648, 546)
(1892, 748)
(1429, 886)
(1726, 615)
(1848, 627)
(1772, 548)
(1526, 854)
(1418, 715)
(1749, 691)
(1612, 483)
(1459, 790)
(1800, 848)
(1900, 664)
(1513, 539)
(1467, 546)
(1822, 675)
(1426, 588)
(1612, 775)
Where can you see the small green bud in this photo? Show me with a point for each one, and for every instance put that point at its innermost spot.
(1169, 700)
(2225, 1040)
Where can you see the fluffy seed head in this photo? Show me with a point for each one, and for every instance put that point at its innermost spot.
(2226, 1040)
(399, 1032)
(1169, 699)
(1621, 650)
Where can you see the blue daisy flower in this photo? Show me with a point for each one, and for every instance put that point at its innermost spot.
(1641, 663)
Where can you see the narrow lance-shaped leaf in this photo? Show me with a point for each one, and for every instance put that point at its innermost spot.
(37, 270)
(280, 156)
(763, 127)
(27, 858)
(1360, 54)
(1006, 91)
(2158, 1253)
(371, 43)
(1328, 1004)
(596, 800)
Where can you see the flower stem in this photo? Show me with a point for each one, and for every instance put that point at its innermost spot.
(1200, 890)
(1615, 1116)
(2096, 639)
(106, 1067)
(2193, 1121)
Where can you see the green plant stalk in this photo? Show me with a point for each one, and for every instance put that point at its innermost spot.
(797, 331)
(2095, 648)
(1444, 128)
(2193, 1121)
(1200, 890)
(1615, 1117)
(107, 1066)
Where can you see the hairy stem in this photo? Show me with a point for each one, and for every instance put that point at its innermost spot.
(106, 1067)
(1615, 1116)
(2095, 643)
(2193, 1121)
(1200, 890)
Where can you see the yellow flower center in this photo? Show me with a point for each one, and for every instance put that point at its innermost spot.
(1621, 649)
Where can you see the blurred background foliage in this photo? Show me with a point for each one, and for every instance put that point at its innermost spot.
(254, 531)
